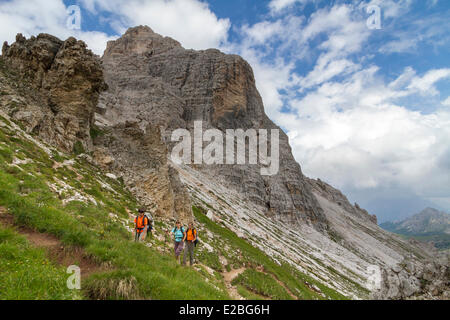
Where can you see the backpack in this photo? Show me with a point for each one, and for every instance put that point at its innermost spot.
(149, 221)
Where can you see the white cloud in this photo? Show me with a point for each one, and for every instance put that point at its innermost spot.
(326, 70)
(446, 102)
(425, 84)
(191, 22)
(39, 16)
(370, 142)
(401, 45)
(276, 6)
(391, 8)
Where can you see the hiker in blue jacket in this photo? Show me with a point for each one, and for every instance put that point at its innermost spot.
(179, 237)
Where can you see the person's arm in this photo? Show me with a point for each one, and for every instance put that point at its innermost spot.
(195, 236)
(184, 235)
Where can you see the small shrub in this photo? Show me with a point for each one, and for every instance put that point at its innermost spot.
(116, 285)
(78, 148)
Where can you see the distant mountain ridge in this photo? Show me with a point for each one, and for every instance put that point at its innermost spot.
(428, 225)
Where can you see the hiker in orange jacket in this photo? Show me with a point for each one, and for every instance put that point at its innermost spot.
(140, 226)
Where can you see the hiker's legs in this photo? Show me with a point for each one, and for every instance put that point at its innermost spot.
(189, 250)
(175, 247)
(191, 254)
(144, 233)
(178, 247)
(186, 249)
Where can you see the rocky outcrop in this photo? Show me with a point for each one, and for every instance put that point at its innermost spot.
(413, 280)
(156, 83)
(67, 78)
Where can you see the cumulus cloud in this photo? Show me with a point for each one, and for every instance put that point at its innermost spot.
(191, 22)
(354, 134)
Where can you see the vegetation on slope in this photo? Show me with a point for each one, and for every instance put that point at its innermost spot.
(27, 273)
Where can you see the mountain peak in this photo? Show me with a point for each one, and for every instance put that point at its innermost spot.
(140, 29)
(141, 40)
(429, 211)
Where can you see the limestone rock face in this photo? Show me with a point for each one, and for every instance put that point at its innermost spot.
(68, 79)
(154, 82)
(336, 196)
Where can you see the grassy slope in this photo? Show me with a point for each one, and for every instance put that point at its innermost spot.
(146, 272)
(27, 273)
(26, 194)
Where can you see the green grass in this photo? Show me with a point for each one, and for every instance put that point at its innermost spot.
(263, 284)
(95, 132)
(27, 273)
(441, 240)
(248, 295)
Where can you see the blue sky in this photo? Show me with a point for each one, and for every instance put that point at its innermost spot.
(367, 110)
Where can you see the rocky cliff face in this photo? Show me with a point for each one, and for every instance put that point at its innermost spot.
(155, 83)
(67, 79)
